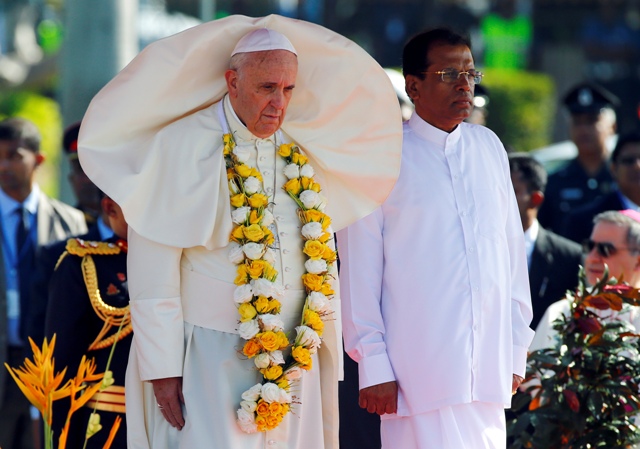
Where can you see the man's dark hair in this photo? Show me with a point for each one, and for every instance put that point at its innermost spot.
(22, 130)
(414, 55)
(533, 173)
(632, 137)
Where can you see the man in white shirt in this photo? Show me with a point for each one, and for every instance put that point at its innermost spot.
(435, 291)
(202, 178)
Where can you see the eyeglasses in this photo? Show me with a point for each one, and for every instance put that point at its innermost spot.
(604, 249)
(451, 76)
(628, 161)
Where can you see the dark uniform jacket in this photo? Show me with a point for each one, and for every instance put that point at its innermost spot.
(77, 318)
(578, 225)
(554, 269)
(570, 188)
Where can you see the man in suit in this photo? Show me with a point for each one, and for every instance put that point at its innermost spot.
(625, 167)
(553, 260)
(587, 177)
(29, 219)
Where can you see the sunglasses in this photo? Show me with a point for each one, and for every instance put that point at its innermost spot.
(604, 249)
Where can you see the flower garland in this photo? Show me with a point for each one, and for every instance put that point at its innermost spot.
(257, 295)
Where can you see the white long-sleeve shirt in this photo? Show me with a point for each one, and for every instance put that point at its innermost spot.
(434, 283)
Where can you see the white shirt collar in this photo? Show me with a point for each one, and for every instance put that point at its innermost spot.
(530, 237)
(429, 132)
(8, 205)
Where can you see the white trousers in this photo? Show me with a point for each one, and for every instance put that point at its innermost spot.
(478, 425)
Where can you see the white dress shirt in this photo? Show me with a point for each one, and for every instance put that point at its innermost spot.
(434, 283)
(530, 237)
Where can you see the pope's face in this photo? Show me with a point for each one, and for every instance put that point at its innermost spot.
(261, 88)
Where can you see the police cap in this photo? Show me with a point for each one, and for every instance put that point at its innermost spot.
(589, 98)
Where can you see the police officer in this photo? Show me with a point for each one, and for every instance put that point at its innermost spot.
(586, 177)
(88, 302)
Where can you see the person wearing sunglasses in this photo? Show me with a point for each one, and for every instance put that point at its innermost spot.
(435, 293)
(612, 250)
(625, 167)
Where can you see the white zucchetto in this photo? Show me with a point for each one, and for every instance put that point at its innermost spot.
(263, 39)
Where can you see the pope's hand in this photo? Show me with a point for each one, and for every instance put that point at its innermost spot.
(169, 398)
(380, 399)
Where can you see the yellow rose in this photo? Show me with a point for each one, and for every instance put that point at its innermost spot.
(313, 215)
(283, 341)
(269, 340)
(283, 383)
(313, 320)
(237, 233)
(326, 289)
(258, 200)
(329, 255)
(254, 218)
(324, 238)
(313, 249)
(292, 186)
(315, 187)
(261, 422)
(312, 281)
(299, 159)
(307, 367)
(261, 304)
(256, 174)
(305, 182)
(230, 174)
(251, 348)
(253, 232)
(255, 267)
(285, 149)
(243, 170)
(301, 355)
(242, 277)
(269, 272)
(272, 373)
(247, 312)
(272, 421)
(268, 236)
(238, 200)
(326, 221)
(263, 408)
(275, 408)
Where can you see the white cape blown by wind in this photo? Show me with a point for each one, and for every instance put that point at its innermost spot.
(344, 114)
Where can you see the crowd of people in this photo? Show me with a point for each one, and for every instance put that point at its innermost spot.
(272, 213)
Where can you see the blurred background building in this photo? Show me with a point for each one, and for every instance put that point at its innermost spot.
(533, 51)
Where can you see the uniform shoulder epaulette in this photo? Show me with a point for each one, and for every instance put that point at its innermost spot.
(82, 248)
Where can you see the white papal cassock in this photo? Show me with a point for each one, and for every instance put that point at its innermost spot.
(152, 140)
(435, 286)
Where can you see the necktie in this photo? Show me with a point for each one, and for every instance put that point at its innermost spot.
(22, 229)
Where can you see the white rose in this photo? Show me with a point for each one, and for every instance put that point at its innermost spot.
(294, 373)
(253, 393)
(243, 154)
(307, 171)
(292, 171)
(248, 406)
(270, 392)
(264, 287)
(253, 250)
(240, 215)
(312, 230)
(309, 199)
(333, 269)
(246, 421)
(318, 302)
(322, 203)
(249, 329)
(262, 360)
(316, 266)
(242, 294)
(271, 322)
(252, 185)
(285, 397)
(270, 256)
(235, 254)
(267, 218)
(308, 338)
(276, 357)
